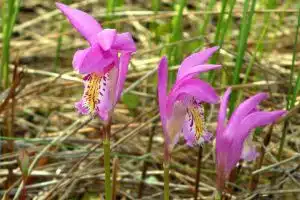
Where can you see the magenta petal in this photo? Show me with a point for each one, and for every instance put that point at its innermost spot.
(124, 42)
(195, 59)
(123, 68)
(106, 38)
(245, 108)
(189, 136)
(223, 111)
(257, 119)
(78, 58)
(85, 24)
(80, 108)
(249, 152)
(193, 71)
(162, 88)
(91, 60)
(199, 89)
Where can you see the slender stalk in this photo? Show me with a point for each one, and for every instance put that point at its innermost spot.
(106, 147)
(199, 163)
(166, 180)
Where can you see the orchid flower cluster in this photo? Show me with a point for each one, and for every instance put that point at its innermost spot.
(104, 65)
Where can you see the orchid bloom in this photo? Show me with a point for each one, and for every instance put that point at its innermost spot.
(104, 63)
(181, 110)
(233, 139)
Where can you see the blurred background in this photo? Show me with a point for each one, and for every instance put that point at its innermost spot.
(40, 129)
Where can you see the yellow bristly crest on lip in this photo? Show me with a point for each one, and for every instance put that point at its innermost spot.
(198, 120)
(92, 91)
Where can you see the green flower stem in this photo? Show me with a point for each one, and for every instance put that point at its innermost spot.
(106, 146)
(166, 181)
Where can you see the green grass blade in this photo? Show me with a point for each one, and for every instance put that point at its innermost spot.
(296, 89)
(59, 43)
(207, 17)
(175, 53)
(10, 11)
(222, 28)
(242, 46)
(211, 74)
(110, 8)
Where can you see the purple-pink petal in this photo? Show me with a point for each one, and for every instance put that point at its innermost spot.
(162, 89)
(246, 107)
(257, 119)
(199, 89)
(92, 60)
(106, 38)
(124, 42)
(85, 24)
(123, 69)
(193, 71)
(222, 112)
(195, 59)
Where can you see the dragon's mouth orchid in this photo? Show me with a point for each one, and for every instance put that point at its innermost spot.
(104, 63)
(181, 110)
(233, 139)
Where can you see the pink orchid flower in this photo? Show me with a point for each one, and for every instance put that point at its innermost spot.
(233, 141)
(104, 63)
(181, 110)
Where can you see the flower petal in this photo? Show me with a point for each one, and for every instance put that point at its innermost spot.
(223, 111)
(193, 71)
(174, 124)
(162, 89)
(92, 60)
(79, 57)
(194, 127)
(245, 108)
(195, 59)
(124, 42)
(107, 94)
(80, 108)
(123, 68)
(106, 38)
(249, 152)
(196, 88)
(85, 24)
(257, 119)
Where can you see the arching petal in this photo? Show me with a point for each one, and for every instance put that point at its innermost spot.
(123, 69)
(193, 71)
(196, 88)
(257, 119)
(162, 89)
(85, 24)
(223, 111)
(195, 59)
(106, 38)
(91, 60)
(245, 108)
(124, 42)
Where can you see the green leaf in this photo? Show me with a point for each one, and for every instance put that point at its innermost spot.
(132, 101)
